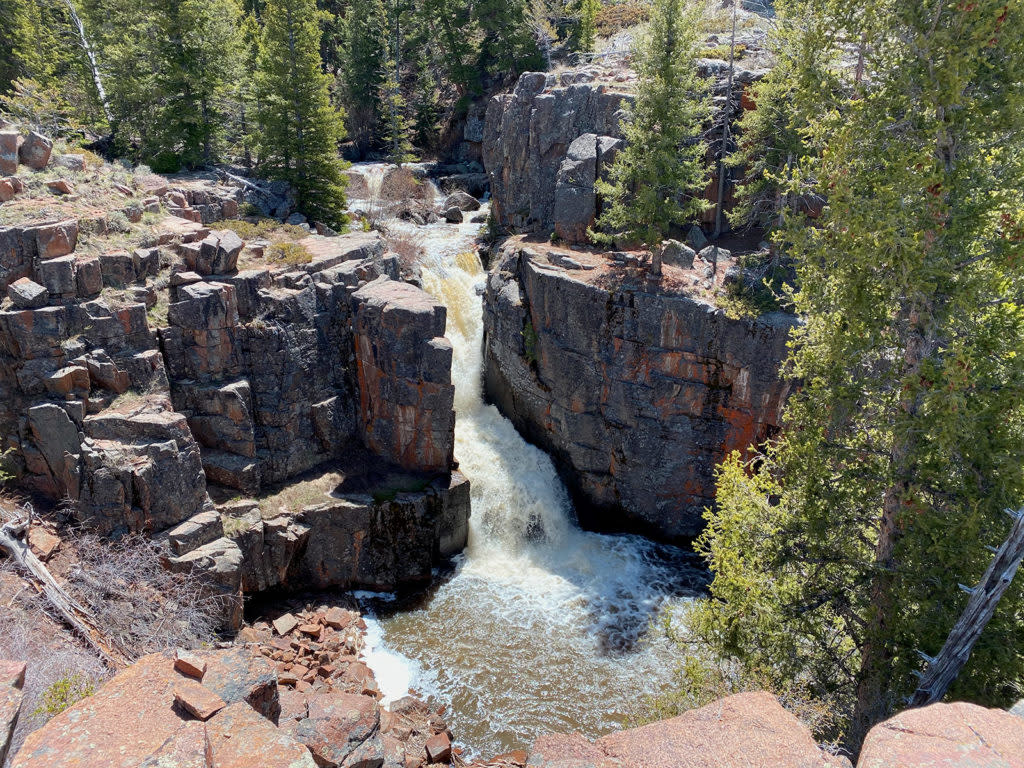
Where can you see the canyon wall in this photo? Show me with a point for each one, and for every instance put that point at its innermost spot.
(637, 391)
(141, 373)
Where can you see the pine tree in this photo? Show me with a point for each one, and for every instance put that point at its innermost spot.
(446, 30)
(427, 109)
(508, 47)
(838, 563)
(16, 49)
(801, 85)
(300, 128)
(588, 24)
(654, 181)
(197, 65)
(364, 72)
(396, 133)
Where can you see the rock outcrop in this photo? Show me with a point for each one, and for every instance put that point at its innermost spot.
(946, 736)
(748, 730)
(12, 680)
(294, 696)
(637, 392)
(135, 380)
(541, 167)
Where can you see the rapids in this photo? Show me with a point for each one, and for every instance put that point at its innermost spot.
(539, 626)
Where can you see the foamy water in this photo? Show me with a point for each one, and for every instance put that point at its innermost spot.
(541, 626)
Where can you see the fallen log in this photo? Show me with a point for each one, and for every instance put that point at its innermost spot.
(13, 541)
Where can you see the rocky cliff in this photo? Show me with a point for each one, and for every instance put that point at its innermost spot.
(149, 361)
(637, 388)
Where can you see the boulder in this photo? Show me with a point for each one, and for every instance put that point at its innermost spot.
(946, 736)
(575, 199)
(189, 664)
(461, 200)
(26, 294)
(439, 748)
(71, 162)
(342, 729)
(453, 215)
(187, 747)
(12, 681)
(7, 191)
(404, 371)
(35, 151)
(60, 187)
(676, 254)
(55, 239)
(712, 254)
(197, 700)
(238, 736)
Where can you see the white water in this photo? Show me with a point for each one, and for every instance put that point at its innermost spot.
(541, 627)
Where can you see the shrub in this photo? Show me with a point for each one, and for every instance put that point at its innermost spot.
(289, 253)
(619, 16)
(63, 693)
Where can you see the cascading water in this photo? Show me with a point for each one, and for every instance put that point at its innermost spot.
(541, 627)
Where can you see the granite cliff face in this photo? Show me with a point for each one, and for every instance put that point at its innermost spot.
(638, 391)
(142, 371)
(544, 143)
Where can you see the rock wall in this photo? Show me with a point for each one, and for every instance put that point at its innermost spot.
(527, 137)
(134, 381)
(638, 393)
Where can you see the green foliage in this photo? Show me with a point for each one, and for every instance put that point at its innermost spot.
(364, 70)
(530, 340)
(588, 24)
(16, 42)
(803, 84)
(618, 16)
(62, 694)
(29, 102)
(289, 253)
(839, 561)
(299, 127)
(508, 47)
(654, 182)
(397, 130)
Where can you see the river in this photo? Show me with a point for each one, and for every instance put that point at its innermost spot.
(538, 626)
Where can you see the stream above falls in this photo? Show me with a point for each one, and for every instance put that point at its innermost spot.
(538, 626)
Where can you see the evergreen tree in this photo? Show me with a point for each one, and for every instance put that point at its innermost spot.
(397, 131)
(197, 65)
(838, 563)
(427, 110)
(364, 72)
(588, 24)
(654, 181)
(17, 53)
(508, 47)
(801, 85)
(299, 127)
(446, 34)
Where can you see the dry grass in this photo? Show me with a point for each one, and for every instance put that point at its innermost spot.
(292, 254)
(622, 15)
(408, 246)
(292, 498)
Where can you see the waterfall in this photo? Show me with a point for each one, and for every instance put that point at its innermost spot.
(542, 626)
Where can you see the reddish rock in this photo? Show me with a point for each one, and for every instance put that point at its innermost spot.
(57, 239)
(189, 664)
(337, 618)
(6, 191)
(188, 747)
(198, 701)
(35, 151)
(958, 735)
(12, 679)
(60, 187)
(561, 750)
(748, 730)
(42, 542)
(8, 152)
(310, 629)
(241, 674)
(439, 748)
(131, 717)
(403, 363)
(342, 729)
(123, 723)
(240, 738)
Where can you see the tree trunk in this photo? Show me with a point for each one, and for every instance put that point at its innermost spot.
(726, 117)
(91, 56)
(71, 612)
(946, 666)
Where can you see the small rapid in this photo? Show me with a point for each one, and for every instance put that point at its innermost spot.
(539, 626)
